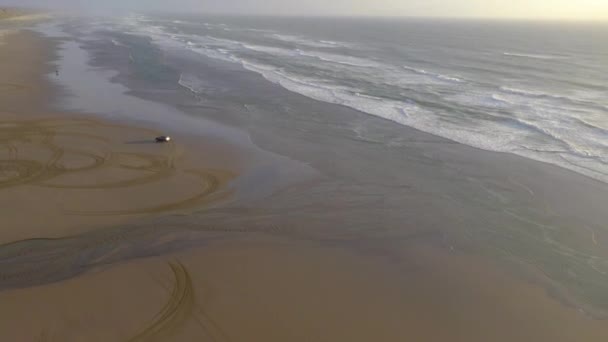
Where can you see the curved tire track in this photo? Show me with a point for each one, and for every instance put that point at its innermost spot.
(176, 310)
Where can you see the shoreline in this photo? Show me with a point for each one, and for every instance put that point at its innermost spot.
(216, 143)
(492, 180)
(394, 231)
(583, 156)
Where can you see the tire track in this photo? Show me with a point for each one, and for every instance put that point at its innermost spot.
(14, 87)
(176, 311)
(45, 167)
(211, 184)
(157, 168)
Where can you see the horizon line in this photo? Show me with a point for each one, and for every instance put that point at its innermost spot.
(316, 15)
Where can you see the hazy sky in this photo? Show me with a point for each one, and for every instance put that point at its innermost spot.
(543, 9)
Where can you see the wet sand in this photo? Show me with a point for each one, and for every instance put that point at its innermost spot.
(266, 289)
(75, 173)
(90, 251)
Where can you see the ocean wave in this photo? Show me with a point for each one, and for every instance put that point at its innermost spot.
(432, 74)
(258, 30)
(531, 93)
(405, 112)
(533, 56)
(595, 127)
(504, 134)
(321, 90)
(588, 103)
(198, 86)
(332, 43)
(220, 54)
(282, 52)
(275, 51)
(486, 100)
(116, 42)
(536, 124)
(222, 40)
(579, 103)
(307, 42)
(340, 59)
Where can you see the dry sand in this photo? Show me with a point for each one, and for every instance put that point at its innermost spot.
(63, 174)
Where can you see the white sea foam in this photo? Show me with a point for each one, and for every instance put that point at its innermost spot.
(220, 54)
(589, 101)
(258, 30)
(190, 82)
(116, 42)
(495, 135)
(195, 84)
(332, 43)
(480, 100)
(533, 56)
(404, 112)
(433, 74)
(563, 129)
(307, 42)
(530, 93)
(340, 59)
(275, 51)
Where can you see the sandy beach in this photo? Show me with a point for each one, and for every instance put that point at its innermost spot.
(56, 162)
(107, 236)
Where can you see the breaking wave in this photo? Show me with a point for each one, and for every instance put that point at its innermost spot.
(563, 128)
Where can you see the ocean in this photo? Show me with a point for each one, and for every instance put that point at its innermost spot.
(536, 90)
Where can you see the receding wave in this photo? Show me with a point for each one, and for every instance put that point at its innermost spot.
(190, 82)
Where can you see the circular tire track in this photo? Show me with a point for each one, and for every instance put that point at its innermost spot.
(13, 87)
(43, 172)
(211, 183)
